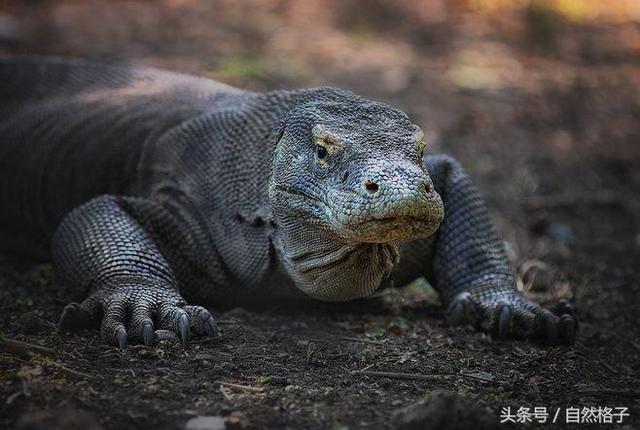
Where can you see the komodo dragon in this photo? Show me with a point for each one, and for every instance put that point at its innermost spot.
(150, 190)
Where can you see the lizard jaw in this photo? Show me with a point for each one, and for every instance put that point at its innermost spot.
(407, 218)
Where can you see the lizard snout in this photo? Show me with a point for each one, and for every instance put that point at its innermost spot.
(389, 201)
(386, 183)
(371, 185)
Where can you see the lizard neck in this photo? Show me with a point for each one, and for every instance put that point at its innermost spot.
(328, 269)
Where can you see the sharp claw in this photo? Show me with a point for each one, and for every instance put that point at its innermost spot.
(564, 307)
(183, 327)
(210, 327)
(121, 338)
(568, 328)
(504, 321)
(550, 329)
(455, 313)
(66, 319)
(147, 333)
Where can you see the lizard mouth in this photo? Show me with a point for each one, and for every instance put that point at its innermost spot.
(391, 219)
(376, 227)
(393, 228)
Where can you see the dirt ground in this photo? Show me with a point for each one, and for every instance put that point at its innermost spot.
(541, 103)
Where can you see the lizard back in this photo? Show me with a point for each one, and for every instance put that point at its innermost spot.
(71, 130)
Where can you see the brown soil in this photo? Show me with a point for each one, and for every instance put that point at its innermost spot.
(541, 105)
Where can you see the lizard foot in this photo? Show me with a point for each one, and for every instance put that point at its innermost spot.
(134, 312)
(507, 314)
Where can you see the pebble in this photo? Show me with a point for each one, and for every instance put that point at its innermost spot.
(206, 423)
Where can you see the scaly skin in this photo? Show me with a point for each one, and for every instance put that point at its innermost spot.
(152, 190)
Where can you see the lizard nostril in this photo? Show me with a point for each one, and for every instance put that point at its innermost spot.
(371, 186)
(428, 186)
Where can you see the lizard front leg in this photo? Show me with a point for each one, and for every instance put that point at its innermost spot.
(101, 248)
(470, 270)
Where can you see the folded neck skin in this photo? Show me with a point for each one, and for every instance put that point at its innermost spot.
(329, 269)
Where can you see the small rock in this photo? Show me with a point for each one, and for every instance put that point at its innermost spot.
(447, 411)
(386, 382)
(278, 380)
(398, 325)
(206, 423)
(236, 421)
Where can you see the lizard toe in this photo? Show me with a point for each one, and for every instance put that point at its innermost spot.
(504, 321)
(141, 322)
(147, 333)
(72, 318)
(201, 321)
(564, 307)
(77, 316)
(462, 311)
(175, 318)
(548, 325)
(568, 327)
(113, 324)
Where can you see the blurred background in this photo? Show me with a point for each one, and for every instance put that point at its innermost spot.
(539, 99)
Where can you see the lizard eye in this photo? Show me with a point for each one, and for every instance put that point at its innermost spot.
(321, 152)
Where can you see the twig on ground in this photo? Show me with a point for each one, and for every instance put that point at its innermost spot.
(480, 376)
(226, 395)
(241, 387)
(399, 375)
(367, 368)
(25, 349)
(13, 397)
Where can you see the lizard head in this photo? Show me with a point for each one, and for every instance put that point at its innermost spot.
(348, 183)
(354, 168)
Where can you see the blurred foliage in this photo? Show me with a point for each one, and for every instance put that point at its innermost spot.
(574, 10)
(242, 69)
(542, 22)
